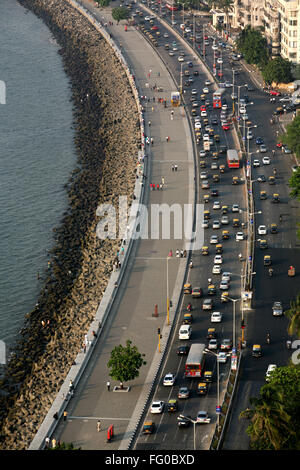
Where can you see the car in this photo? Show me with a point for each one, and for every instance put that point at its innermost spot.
(256, 350)
(274, 93)
(222, 357)
(157, 407)
(205, 184)
(259, 141)
(214, 47)
(172, 406)
(226, 276)
(242, 110)
(235, 208)
(197, 292)
(183, 392)
(226, 345)
(207, 82)
(277, 309)
(202, 388)
(286, 149)
(239, 236)
(180, 59)
(185, 332)
(154, 28)
(266, 160)
(203, 175)
(197, 126)
(184, 421)
(249, 135)
(207, 304)
(218, 259)
(205, 90)
(214, 121)
(216, 224)
(263, 148)
(225, 127)
(202, 417)
(234, 96)
(261, 178)
(295, 168)
(256, 162)
(148, 427)
(263, 244)
(194, 91)
(166, 35)
(225, 220)
(262, 230)
(169, 380)
(216, 317)
(182, 350)
(223, 149)
(273, 228)
(214, 239)
(224, 284)
(214, 193)
(213, 344)
(245, 117)
(270, 369)
(204, 114)
(219, 60)
(285, 99)
(216, 269)
(205, 224)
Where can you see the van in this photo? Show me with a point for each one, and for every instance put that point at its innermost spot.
(185, 332)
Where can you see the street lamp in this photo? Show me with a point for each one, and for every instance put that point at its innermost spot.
(194, 425)
(208, 351)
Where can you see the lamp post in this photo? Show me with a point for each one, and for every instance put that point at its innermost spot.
(233, 327)
(168, 298)
(208, 351)
(194, 426)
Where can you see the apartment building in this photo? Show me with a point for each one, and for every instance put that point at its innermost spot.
(279, 20)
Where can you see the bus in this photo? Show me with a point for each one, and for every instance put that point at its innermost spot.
(170, 6)
(217, 98)
(233, 160)
(195, 360)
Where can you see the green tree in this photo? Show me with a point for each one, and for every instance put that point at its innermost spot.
(296, 72)
(103, 3)
(253, 46)
(269, 428)
(293, 314)
(278, 70)
(120, 13)
(125, 362)
(291, 136)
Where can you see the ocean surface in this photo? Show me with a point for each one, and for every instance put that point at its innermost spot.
(37, 155)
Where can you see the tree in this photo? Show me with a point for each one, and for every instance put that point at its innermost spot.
(293, 314)
(291, 136)
(278, 70)
(119, 13)
(125, 362)
(269, 428)
(103, 3)
(253, 46)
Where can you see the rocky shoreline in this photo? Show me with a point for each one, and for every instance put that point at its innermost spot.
(107, 139)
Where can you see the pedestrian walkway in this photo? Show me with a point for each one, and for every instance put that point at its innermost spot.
(151, 276)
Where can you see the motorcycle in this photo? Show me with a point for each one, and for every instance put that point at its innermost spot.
(268, 339)
(271, 272)
(189, 307)
(289, 344)
(191, 264)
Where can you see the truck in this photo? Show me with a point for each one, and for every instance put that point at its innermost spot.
(233, 160)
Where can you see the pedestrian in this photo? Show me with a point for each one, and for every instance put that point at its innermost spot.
(47, 441)
(53, 443)
(65, 415)
(152, 108)
(149, 123)
(108, 385)
(160, 186)
(175, 167)
(152, 141)
(167, 139)
(172, 114)
(98, 425)
(163, 180)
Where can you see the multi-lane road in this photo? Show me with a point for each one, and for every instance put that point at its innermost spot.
(282, 248)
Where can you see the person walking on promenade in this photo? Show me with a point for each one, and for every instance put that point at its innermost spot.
(172, 115)
(149, 123)
(152, 141)
(175, 167)
(108, 385)
(65, 415)
(98, 425)
(167, 139)
(162, 180)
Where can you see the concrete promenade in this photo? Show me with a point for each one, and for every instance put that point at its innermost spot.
(149, 273)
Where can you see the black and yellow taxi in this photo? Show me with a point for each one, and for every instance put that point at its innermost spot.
(219, 249)
(211, 289)
(222, 168)
(205, 250)
(197, 292)
(216, 178)
(273, 228)
(148, 427)
(224, 210)
(202, 164)
(224, 297)
(275, 198)
(215, 156)
(172, 405)
(207, 376)
(211, 333)
(217, 138)
(263, 195)
(235, 180)
(206, 215)
(187, 319)
(271, 180)
(256, 350)
(263, 244)
(206, 198)
(187, 288)
(225, 235)
(202, 388)
(267, 260)
(236, 222)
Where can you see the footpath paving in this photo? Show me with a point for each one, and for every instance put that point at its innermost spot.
(149, 273)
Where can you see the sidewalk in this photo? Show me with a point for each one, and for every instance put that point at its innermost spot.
(148, 272)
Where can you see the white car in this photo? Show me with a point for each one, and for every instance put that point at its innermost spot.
(202, 153)
(245, 117)
(262, 148)
(224, 284)
(266, 160)
(217, 205)
(169, 380)
(180, 59)
(207, 82)
(239, 236)
(214, 47)
(249, 135)
(224, 108)
(206, 137)
(203, 175)
(213, 344)
(202, 417)
(203, 114)
(205, 90)
(242, 110)
(214, 239)
(220, 60)
(157, 407)
(216, 224)
(205, 224)
(222, 357)
(234, 96)
(218, 259)
(188, 29)
(270, 369)
(216, 317)
(216, 269)
(197, 125)
(235, 208)
(256, 163)
(262, 230)
(226, 276)
(194, 91)
(166, 35)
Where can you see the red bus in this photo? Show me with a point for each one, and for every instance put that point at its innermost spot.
(217, 98)
(171, 7)
(233, 160)
(195, 361)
